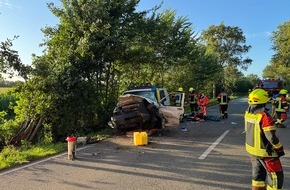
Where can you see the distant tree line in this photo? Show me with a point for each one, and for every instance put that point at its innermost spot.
(5, 83)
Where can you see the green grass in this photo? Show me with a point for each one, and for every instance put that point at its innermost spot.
(11, 156)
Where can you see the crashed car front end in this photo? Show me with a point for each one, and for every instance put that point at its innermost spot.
(134, 112)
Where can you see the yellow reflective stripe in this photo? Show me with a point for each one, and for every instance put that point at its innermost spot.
(269, 128)
(258, 183)
(280, 110)
(279, 107)
(252, 118)
(276, 146)
(257, 134)
(259, 152)
(158, 96)
(256, 152)
(278, 121)
(274, 182)
(256, 149)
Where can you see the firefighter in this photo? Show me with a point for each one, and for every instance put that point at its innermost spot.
(281, 107)
(262, 143)
(177, 97)
(223, 100)
(203, 102)
(192, 101)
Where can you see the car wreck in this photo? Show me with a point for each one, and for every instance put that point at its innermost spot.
(145, 109)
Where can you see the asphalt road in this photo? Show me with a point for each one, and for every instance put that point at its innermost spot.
(209, 156)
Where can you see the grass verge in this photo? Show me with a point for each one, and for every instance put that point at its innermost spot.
(12, 156)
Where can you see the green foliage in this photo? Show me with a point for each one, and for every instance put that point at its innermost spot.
(7, 130)
(7, 102)
(228, 43)
(11, 156)
(25, 145)
(243, 85)
(280, 62)
(100, 135)
(80, 67)
(10, 61)
(281, 40)
(47, 134)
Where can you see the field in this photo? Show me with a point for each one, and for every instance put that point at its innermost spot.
(4, 89)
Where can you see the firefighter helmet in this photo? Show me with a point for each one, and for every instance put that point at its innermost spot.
(191, 89)
(283, 91)
(180, 89)
(258, 96)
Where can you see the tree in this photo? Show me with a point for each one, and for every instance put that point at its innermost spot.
(164, 42)
(228, 43)
(280, 61)
(10, 62)
(82, 51)
(244, 84)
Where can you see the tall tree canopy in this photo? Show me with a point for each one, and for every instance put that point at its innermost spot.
(228, 43)
(280, 62)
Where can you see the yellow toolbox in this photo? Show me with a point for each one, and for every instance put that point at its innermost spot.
(140, 138)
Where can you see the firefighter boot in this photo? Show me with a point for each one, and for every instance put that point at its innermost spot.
(226, 115)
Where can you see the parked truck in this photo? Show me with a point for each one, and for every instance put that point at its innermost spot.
(272, 86)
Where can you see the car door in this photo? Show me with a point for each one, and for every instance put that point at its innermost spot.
(173, 113)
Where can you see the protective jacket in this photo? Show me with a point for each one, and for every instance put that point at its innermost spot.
(222, 98)
(203, 100)
(261, 140)
(281, 104)
(192, 98)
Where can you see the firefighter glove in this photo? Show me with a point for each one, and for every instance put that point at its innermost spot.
(269, 149)
(280, 151)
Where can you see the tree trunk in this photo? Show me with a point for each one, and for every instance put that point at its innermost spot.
(27, 132)
(35, 130)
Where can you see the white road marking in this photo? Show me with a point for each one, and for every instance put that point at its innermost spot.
(38, 162)
(204, 155)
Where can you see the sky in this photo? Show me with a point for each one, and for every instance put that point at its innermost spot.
(256, 18)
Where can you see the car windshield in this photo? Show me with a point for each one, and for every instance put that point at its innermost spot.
(147, 94)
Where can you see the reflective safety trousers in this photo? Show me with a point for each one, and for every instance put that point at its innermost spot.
(256, 141)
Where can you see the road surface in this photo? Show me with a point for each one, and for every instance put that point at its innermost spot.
(209, 156)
